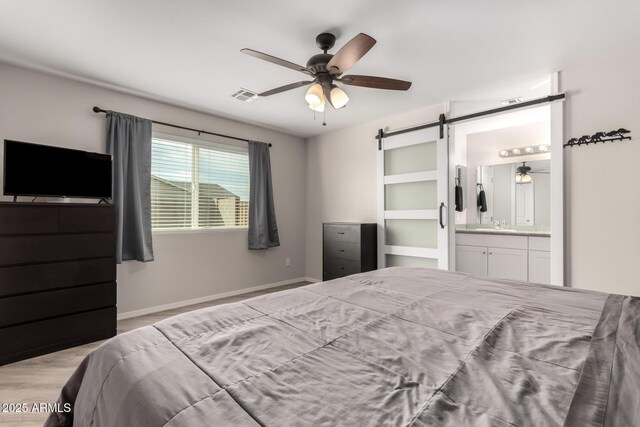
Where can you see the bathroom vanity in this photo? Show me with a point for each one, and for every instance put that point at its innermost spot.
(505, 254)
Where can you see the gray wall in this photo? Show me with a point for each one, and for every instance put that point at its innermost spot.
(602, 199)
(341, 177)
(51, 110)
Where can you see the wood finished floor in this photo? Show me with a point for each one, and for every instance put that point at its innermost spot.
(40, 379)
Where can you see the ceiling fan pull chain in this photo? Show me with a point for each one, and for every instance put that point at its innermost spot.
(324, 117)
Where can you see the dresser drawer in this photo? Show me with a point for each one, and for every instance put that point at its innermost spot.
(97, 219)
(24, 279)
(342, 232)
(28, 219)
(340, 267)
(36, 249)
(342, 249)
(44, 305)
(44, 336)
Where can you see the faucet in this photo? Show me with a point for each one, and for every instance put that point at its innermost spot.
(496, 225)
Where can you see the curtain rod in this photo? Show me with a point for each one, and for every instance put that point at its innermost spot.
(547, 99)
(100, 110)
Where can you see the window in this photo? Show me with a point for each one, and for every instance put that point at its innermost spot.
(196, 186)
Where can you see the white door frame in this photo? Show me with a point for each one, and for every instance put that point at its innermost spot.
(556, 118)
(557, 185)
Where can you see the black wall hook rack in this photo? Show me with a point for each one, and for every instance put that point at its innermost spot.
(614, 135)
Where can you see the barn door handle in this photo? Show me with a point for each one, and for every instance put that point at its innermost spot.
(442, 206)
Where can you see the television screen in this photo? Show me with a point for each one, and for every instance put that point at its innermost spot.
(43, 170)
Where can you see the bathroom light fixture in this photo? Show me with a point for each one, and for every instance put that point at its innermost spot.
(524, 151)
(522, 175)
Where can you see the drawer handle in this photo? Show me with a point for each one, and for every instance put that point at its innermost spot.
(340, 250)
(484, 253)
(340, 232)
(341, 268)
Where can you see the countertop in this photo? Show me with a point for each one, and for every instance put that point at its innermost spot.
(503, 232)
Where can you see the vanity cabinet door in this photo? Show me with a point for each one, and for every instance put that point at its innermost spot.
(508, 263)
(540, 267)
(471, 260)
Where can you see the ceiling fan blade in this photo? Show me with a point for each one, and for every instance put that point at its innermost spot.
(351, 52)
(285, 88)
(275, 60)
(375, 82)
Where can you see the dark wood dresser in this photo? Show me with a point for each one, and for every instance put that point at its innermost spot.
(348, 248)
(57, 277)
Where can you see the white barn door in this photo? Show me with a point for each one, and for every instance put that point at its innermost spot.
(413, 217)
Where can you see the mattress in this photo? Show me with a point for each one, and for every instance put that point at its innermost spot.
(393, 347)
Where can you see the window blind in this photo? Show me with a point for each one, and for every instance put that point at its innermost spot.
(196, 186)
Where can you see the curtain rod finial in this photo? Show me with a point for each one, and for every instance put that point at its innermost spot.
(97, 109)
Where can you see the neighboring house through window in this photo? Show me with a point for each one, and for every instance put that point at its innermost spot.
(198, 186)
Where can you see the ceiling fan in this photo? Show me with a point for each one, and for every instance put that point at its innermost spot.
(522, 174)
(327, 70)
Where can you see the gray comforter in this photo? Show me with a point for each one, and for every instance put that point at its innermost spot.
(393, 347)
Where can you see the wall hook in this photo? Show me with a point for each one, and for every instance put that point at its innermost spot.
(614, 135)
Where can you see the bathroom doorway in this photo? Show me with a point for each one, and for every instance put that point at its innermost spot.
(506, 190)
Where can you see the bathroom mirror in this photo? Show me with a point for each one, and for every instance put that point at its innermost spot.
(516, 194)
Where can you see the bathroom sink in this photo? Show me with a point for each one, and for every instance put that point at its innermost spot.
(508, 230)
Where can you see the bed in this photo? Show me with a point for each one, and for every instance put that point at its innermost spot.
(393, 347)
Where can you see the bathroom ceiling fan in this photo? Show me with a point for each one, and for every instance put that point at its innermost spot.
(327, 69)
(522, 174)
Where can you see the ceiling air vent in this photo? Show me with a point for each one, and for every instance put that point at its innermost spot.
(512, 101)
(245, 95)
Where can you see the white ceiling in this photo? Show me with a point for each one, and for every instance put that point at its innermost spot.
(188, 52)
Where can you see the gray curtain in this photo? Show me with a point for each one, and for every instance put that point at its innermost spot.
(129, 142)
(263, 230)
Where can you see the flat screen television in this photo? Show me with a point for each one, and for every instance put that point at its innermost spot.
(43, 170)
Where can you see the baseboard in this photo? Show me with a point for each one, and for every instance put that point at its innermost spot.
(184, 303)
(312, 280)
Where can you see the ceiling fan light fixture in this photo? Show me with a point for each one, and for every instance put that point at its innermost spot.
(325, 69)
(339, 97)
(523, 179)
(318, 107)
(315, 96)
(522, 174)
